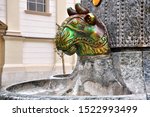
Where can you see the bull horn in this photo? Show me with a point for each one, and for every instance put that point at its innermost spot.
(71, 11)
(80, 9)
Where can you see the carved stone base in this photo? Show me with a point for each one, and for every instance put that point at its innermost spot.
(95, 75)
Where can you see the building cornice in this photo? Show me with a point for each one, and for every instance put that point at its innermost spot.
(3, 28)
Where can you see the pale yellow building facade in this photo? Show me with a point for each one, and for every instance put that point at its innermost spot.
(29, 40)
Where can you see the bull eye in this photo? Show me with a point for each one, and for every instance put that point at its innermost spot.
(90, 19)
(75, 22)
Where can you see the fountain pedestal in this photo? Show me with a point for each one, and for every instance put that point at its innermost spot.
(95, 75)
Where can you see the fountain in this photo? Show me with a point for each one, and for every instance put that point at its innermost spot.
(112, 62)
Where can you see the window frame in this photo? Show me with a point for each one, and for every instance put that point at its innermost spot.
(45, 11)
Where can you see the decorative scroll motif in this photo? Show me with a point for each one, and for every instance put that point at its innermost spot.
(127, 21)
(81, 33)
(131, 23)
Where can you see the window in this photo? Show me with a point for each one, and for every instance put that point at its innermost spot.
(36, 5)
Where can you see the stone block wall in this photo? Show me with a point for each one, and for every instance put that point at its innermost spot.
(134, 67)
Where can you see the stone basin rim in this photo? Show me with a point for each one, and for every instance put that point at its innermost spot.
(8, 95)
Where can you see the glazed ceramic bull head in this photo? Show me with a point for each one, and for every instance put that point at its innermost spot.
(82, 33)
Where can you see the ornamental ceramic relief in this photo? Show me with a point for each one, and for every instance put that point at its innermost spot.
(127, 21)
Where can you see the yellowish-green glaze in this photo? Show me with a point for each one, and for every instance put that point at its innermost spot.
(82, 34)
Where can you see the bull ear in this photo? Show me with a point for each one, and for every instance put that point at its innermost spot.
(90, 19)
(71, 11)
(80, 9)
